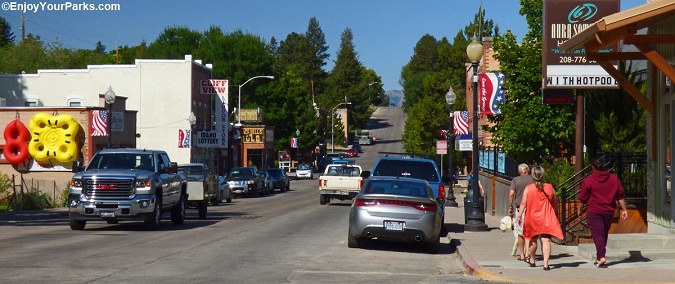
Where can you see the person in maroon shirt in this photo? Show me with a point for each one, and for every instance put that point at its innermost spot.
(599, 192)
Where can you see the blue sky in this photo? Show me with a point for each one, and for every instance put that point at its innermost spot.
(385, 31)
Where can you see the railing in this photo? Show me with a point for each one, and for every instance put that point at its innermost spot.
(629, 168)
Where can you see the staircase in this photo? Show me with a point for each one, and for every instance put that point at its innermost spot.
(634, 247)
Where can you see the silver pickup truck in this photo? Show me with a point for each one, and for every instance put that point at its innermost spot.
(126, 184)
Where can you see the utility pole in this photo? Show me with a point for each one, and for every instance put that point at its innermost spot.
(23, 27)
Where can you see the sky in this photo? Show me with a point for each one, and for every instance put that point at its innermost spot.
(385, 31)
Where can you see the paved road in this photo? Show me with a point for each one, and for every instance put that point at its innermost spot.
(282, 238)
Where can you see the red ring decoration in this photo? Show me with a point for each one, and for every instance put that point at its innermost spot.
(16, 149)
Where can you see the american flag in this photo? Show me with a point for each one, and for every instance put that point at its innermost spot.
(461, 122)
(99, 123)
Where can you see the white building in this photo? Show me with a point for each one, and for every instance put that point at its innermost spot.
(164, 92)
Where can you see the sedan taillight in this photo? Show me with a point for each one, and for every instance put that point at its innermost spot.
(422, 206)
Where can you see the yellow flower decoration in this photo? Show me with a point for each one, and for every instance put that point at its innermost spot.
(53, 138)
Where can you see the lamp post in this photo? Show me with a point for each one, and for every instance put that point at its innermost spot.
(297, 152)
(476, 216)
(109, 100)
(332, 126)
(192, 119)
(239, 105)
(450, 98)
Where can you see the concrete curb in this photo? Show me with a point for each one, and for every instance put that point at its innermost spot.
(472, 268)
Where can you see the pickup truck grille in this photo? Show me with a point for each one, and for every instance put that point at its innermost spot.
(108, 188)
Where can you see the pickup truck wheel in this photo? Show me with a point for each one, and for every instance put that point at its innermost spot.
(229, 199)
(217, 199)
(153, 219)
(352, 242)
(322, 200)
(202, 209)
(178, 212)
(77, 225)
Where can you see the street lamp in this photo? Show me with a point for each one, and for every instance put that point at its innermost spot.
(332, 126)
(109, 100)
(476, 217)
(239, 105)
(192, 119)
(450, 98)
(297, 152)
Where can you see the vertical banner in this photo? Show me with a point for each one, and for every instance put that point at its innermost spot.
(491, 92)
(220, 88)
(294, 142)
(184, 138)
(99, 123)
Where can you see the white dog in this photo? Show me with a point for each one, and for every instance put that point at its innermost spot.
(507, 223)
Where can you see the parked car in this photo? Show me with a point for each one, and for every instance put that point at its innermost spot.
(398, 209)
(280, 179)
(411, 167)
(304, 171)
(352, 153)
(225, 189)
(344, 161)
(357, 147)
(269, 183)
(246, 181)
(337, 155)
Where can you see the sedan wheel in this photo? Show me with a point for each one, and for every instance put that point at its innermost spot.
(352, 242)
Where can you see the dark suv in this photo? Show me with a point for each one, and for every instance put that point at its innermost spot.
(419, 168)
(279, 179)
(246, 181)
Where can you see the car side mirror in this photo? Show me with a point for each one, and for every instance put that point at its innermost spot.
(365, 174)
(173, 168)
(77, 166)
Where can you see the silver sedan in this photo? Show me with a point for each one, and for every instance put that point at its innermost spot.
(394, 208)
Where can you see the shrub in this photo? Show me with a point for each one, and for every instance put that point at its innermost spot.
(557, 172)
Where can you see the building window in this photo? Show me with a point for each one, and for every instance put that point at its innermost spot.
(74, 102)
(31, 103)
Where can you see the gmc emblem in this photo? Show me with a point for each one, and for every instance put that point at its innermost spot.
(107, 187)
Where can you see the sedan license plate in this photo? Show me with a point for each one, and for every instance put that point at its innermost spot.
(342, 192)
(394, 225)
(108, 214)
(237, 191)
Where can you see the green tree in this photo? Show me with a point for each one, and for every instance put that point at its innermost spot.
(6, 34)
(174, 43)
(420, 134)
(100, 48)
(528, 130)
(346, 82)
(27, 56)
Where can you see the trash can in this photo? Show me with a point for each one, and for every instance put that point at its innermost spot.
(468, 203)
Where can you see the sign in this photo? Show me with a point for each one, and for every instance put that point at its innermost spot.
(572, 70)
(491, 92)
(253, 115)
(557, 96)
(253, 135)
(220, 88)
(184, 138)
(284, 156)
(294, 142)
(213, 87)
(441, 147)
(465, 145)
(207, 139)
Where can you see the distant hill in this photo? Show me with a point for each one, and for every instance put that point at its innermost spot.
(395, 97)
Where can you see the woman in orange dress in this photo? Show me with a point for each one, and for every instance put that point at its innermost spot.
(541, 220)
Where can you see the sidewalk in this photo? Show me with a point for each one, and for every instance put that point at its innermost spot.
(487, 255)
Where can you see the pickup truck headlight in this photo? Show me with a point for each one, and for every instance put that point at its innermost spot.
(142, 183)
(76, 183)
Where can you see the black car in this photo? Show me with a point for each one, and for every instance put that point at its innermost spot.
(357, 147)
(280, 179)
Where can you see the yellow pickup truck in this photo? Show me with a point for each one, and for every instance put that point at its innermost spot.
(339, 181)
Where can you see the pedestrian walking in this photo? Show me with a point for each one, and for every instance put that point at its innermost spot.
(518, 185)
(600, 192)
(538, 214)
(470, 183)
